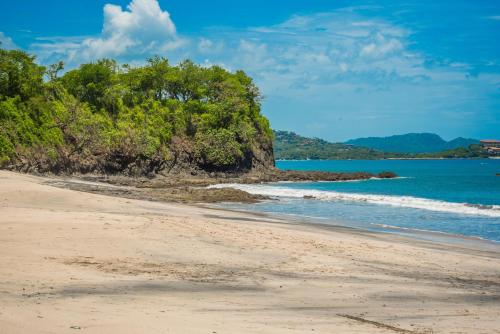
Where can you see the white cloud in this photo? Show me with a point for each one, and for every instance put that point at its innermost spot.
(494, 17)
(141, 29)
(319, 50)
(343, 67)
(207, 46)
(6, 42)
(254, 53)
(381, 46)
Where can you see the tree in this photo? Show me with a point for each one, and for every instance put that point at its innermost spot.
(91, 82)
(54, 69)
(19, 75)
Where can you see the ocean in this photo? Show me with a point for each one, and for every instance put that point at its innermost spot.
(430, 198)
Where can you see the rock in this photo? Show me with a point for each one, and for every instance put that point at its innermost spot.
(387, 175)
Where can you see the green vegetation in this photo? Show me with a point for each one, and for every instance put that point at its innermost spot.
(106, 117)
(472, 151)
(288, 145)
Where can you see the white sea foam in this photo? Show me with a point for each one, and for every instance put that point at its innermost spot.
(398, 201)
(358, 180)
(431, 231)
(416, 230)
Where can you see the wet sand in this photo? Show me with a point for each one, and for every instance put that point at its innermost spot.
(72, 261)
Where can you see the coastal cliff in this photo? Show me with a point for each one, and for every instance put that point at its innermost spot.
(107, 118)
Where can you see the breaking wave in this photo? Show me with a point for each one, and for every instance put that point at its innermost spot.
(397, 201)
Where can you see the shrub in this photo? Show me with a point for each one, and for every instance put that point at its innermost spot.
(218, 149)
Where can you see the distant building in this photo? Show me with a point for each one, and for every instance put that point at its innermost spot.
(491, 146)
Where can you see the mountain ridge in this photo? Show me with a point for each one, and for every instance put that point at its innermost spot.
(412, 143)
(291, 146)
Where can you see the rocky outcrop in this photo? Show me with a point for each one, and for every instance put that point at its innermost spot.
(180, 159)
(314, 176)
(188, 188)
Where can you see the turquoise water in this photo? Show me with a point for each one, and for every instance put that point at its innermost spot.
(464, 181)
(455, 197)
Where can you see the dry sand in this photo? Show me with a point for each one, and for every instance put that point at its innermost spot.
(74, 262)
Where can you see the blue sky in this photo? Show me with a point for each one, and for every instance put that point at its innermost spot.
(331, 69)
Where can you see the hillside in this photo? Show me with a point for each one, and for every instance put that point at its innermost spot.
(412, 143)
(109, 118)
(289, 145)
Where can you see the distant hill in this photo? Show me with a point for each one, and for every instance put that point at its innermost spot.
(412, 143)
(289, 145)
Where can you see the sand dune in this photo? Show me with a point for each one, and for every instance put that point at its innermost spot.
(75, 262)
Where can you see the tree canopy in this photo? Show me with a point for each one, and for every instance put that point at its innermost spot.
(107, 117)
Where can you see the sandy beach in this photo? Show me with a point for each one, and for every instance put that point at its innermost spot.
(77, 262)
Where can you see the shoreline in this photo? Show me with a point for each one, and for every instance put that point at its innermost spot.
(244, 197)
(99, 263)
(193, 188)
(413, 235)
(115, 188)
